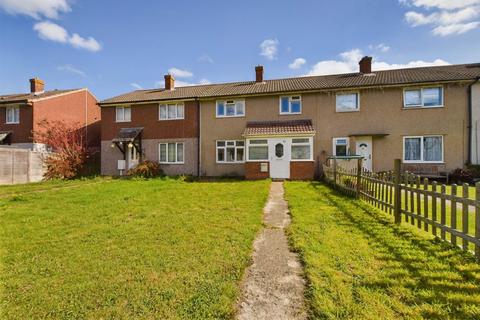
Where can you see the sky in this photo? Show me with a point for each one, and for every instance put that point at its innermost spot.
(113, 47)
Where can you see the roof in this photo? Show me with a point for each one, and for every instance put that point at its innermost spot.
(351, 80)
(127, 134)
(265, 128)
(26, 97)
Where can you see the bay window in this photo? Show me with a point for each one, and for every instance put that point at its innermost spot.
(257, 150)
(230, 108)
(171, 152)
(423, 97)
(230, 151)
(302, 149)
(421, 149)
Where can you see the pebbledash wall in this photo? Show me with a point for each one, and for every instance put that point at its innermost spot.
(381, 114)
(155, 132)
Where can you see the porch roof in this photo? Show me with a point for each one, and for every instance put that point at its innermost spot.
(4, 136)
(275, 128)
(127, 134)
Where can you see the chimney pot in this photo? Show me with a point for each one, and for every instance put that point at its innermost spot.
(37, 86)
(366, 65)
(169, 82)
(259, 74)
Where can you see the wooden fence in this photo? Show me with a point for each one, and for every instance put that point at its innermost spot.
(451, 213)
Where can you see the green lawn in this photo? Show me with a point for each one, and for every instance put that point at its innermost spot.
(117, 249)
(360, 265)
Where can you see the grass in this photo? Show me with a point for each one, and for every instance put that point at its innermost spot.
(138, 249)
(360, 265)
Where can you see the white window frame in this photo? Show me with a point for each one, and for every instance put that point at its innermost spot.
(166, 153)
(421, 149)
(335, 145)
(337, 109)
(230, 101)
(16, 115)
(225, 152)
(309, 143)
(167, 106)
(422, 103)
(249, 144)
(290, 98)
(117, 110)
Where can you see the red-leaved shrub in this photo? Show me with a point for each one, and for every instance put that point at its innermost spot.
(68, 144)
(146, 169)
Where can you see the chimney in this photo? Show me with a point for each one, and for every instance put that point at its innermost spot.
(169, 82)
(259, 74)
(37, 86)
(366, 65)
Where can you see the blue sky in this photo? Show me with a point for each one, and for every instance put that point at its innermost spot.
(113, 47)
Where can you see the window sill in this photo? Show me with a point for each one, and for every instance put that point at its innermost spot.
(172, 163)
(301, 160)
(265, 160)
(289, 113)
(171, 119)
(226, 117)
(423, 162)
(123, 121)
(422, 107)
(237, 162)
(12, 122)
(346, 111)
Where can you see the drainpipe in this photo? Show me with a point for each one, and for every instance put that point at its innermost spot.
(199, 153)
(470, 120)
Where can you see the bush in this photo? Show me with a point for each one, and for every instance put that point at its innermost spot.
(146, 169)
(461, 175)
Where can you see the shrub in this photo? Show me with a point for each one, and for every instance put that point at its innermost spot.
(461, 175)
(146, 169)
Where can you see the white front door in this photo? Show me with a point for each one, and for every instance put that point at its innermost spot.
(279, 152)
(133, 157)
(364, 149)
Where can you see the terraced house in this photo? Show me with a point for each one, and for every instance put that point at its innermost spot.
(286, 128)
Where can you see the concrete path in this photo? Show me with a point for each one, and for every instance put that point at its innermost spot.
(273, 287)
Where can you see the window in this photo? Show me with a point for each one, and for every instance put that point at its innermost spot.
(423, 97)
(302, 148)
(171, 152)
(124, 114)
(230, 151)
(13, 115)
(257, 150)
(171, 111)
(230, 108)
(340, 147)
(423, 149)
(347, 102)
(290, 105)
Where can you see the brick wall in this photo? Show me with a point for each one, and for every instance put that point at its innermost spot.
(252, 171)
(304, 170)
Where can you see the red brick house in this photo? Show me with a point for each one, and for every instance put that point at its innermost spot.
(20, 114)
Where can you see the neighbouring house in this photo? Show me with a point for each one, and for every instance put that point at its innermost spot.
(21, 114)
(286, 128)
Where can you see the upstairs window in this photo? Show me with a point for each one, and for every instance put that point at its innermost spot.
(123, 114)
(171, 111)
(423, 97)
(257, 150)
(346, 102)
(13, 115)
(302, 148)
(230, 151)
(340, 147)
(230, 108)
(290, 105)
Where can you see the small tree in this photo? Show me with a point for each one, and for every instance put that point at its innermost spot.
(68, 144)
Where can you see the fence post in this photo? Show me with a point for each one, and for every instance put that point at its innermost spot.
(334, 172)
(397, 193)
(359, 176)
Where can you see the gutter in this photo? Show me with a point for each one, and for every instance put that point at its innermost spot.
(470, 120)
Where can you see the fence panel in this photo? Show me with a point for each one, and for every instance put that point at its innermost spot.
(21, 166)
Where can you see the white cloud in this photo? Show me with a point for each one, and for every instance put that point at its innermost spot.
(136, 86)
(446, 17)
(382, 47)
(180, 83)
(179, 73)
(50, 31)
(89, 44)
(36, 8)
(269, 49)
(53, 32)
(348, 63)
(205, 58)
(71, 69)
(297, 63)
